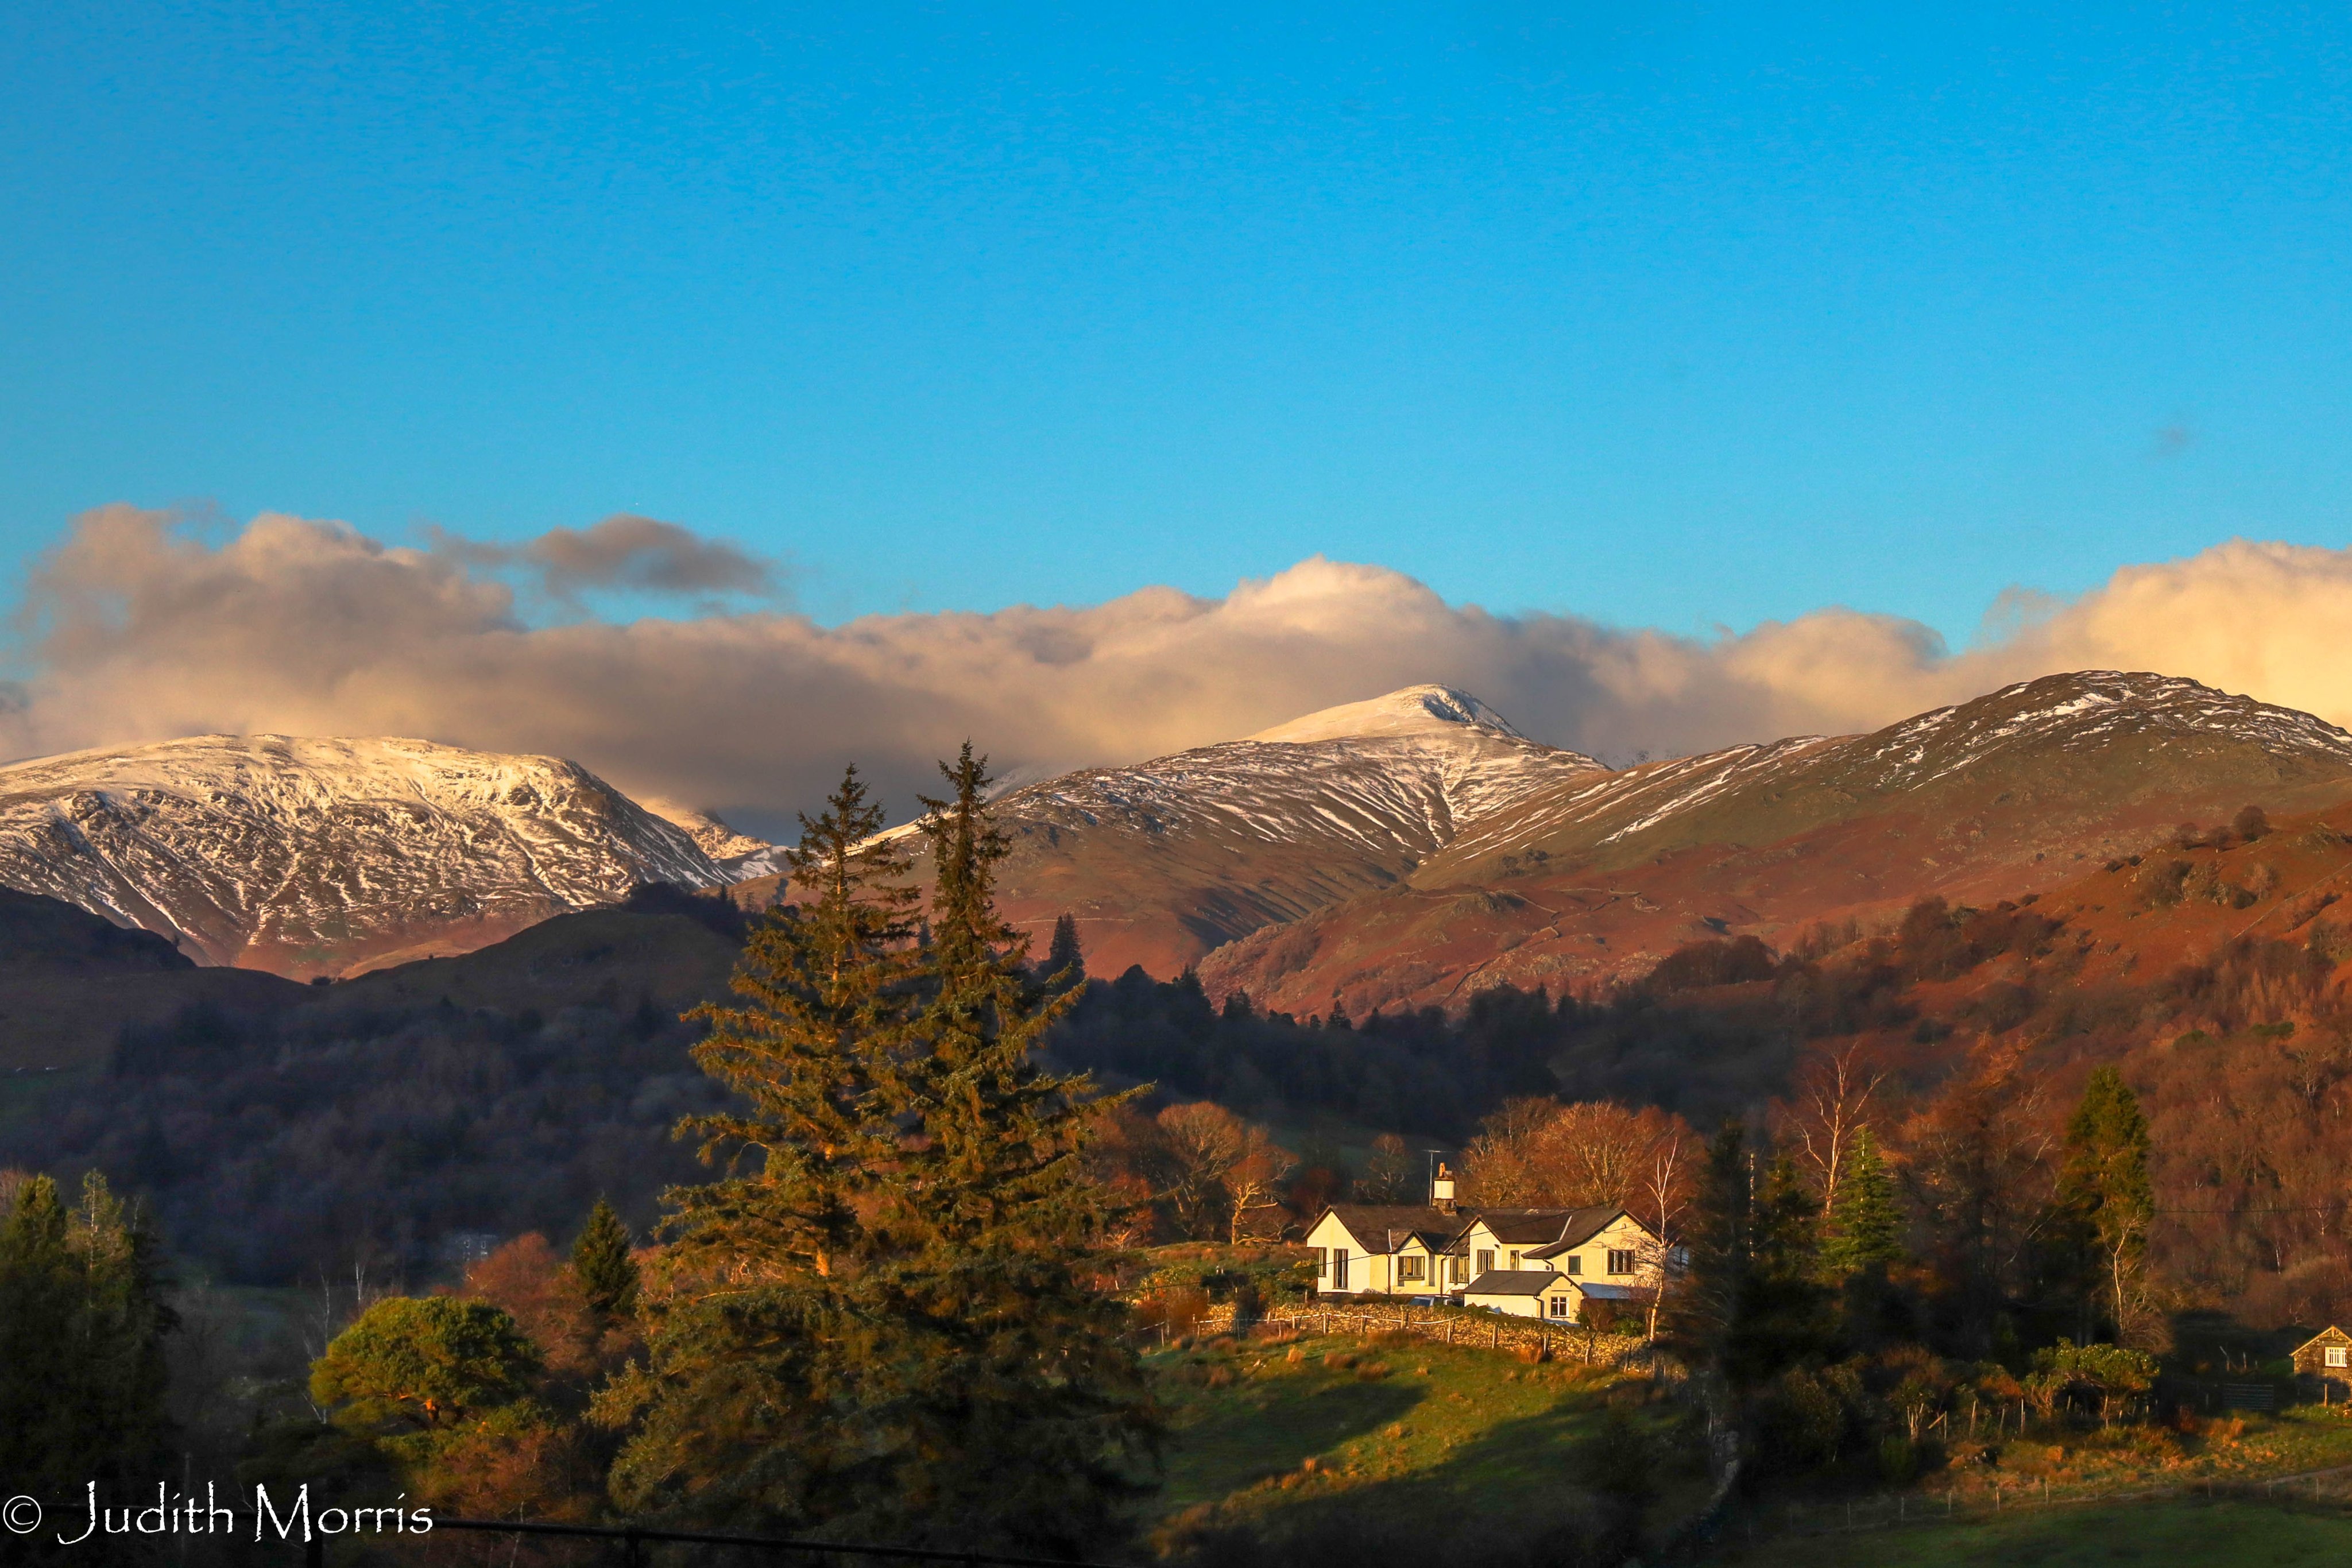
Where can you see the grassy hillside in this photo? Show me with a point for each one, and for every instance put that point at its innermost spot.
(1389, 1434)
(2178, 1533)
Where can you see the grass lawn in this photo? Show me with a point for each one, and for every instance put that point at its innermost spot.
(2177, 1534)
(2241, 1448)
(1276, 1434)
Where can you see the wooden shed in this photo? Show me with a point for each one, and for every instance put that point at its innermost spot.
(2322, 1365)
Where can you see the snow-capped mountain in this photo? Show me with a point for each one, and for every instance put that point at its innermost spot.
(1600, 875)
(1165, 860)
(327, 857)
(738, 856)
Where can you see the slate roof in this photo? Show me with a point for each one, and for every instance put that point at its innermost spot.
(1549, 1227)
(1541, 1232)
(1515, 1283)
(1616, 1292)
(1384, 1227)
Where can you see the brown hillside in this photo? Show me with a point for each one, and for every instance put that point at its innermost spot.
(1597, 878)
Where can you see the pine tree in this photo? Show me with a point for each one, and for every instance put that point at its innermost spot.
(1706, 1305)
(1865, 1234)
(82, 1320)
(2105, 1198)
(1783, 1311)
(885, 1329)
(1066, 961)
(600, 1264)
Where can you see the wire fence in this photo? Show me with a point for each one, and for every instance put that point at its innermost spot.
(1896, 1510)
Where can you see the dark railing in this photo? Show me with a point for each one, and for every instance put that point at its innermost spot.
(634, 1538)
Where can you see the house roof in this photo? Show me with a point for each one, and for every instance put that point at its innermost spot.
(1515, 1283)
(2331, 1334)
(1616, 1292)
(1583, 1225)
(1549, 1227)
(1384, 1227)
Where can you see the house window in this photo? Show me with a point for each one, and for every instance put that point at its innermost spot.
(1575, 1263)
(1485, 1263)
(1322, 1260)
(1559, 1306)
(1339, 1268)
(1460, 1268)
(1620, 1260)
(1515, 1262)
(2334, 1355)
(1412, 1268)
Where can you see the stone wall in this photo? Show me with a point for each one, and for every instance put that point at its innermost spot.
(1448, 1325)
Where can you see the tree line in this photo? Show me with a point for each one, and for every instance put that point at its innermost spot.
(879, 1314)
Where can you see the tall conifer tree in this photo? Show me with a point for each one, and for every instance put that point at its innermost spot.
(2104, 1196)
(885, 1330)
(600, 1264)
(82, 1320)
(1065, 960)
(1866, 1232)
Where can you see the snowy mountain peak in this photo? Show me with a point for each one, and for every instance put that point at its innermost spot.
(325, 856)
(717, 837)
(1426, 710)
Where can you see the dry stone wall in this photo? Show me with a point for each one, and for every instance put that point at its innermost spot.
(1446, 1326)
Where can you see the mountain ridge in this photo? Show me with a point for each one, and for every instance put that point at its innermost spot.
(326, 856)
(1592, 881)
(1161, 861)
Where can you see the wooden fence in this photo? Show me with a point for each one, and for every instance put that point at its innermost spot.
(1894, 1510)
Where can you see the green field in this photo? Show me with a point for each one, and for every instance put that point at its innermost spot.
(2177, 1534)
(1275, 1436)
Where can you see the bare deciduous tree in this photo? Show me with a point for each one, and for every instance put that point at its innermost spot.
(1830, 1099)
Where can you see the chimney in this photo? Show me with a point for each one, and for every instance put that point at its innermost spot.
(1440, 1190)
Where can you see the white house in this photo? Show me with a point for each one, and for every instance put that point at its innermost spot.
(1602, 1243)
(1552, 1262)
(1388, 1249)
(1530, 1262)
(1524, 1293)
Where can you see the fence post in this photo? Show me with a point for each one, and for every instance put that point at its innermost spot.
(630, 1554)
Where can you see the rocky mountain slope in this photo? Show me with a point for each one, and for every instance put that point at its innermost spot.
(1597, 877)
(1162, 862)
(329, 857)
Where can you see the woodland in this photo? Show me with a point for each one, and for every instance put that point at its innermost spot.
(854, 1248)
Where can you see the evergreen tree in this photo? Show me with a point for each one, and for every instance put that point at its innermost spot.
(1065, 960)
(1782, 1311)
(885, 1329)
(1866, 1232)
(2105, 1198)
(600, 1264)
(82, 1320)
(1706, 1307)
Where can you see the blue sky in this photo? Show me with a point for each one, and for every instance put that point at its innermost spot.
(1673, 315)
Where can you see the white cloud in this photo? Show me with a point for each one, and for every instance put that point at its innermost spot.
(133, 631)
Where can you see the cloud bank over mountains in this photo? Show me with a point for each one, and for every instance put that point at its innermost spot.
(133, 629)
